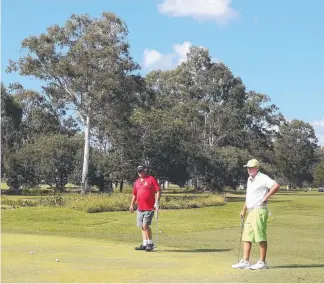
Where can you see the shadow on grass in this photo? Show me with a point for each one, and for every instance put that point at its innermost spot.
(298, 266)
(196, 250)
(280, 201)
(235, 199)
(168, 191)
(242, 199)
(311, 194)
(243, 193)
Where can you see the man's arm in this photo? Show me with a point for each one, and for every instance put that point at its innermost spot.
(157, 199)
(157, 189)
(243, 212)
(271, 192)
(131, 208)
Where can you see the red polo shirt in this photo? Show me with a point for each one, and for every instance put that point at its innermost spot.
(145, 192)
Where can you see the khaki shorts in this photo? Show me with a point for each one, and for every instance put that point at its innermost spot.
(144, 217)
(255, 227)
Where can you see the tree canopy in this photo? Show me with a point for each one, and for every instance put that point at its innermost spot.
(195, 123)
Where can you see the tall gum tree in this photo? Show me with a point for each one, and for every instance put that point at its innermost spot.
(86, 67)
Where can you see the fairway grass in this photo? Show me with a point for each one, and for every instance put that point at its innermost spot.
(195, 245)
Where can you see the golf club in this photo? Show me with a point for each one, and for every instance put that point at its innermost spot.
(242, 226)
(271, 218)
(156, 227)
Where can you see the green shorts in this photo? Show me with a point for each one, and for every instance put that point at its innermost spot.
(255, 227)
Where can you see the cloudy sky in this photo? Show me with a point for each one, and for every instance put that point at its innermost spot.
(276, 47)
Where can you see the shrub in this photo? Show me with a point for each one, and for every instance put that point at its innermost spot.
(186, 202)
(121, 202)
(52, 201)
(114, 202)
(11, 204)
(100, 202)
(37, 191)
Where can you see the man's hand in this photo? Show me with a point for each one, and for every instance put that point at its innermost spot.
(242, 214)
(263, 201)
(131, 209)
(156, 205)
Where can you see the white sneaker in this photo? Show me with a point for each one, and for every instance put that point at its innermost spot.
(259, 265)
(243, 264)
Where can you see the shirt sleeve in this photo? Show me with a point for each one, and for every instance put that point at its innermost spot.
(155, 184)
(269, 182)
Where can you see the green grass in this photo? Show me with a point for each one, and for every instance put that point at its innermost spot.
(3, 186)
(195, 245)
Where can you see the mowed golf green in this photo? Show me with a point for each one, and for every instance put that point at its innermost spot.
(195, 245)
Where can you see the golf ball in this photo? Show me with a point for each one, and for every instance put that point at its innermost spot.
(269, 213)
(57, 260)
(31, 252)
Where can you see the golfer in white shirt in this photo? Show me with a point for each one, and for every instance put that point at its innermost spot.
(260, 188)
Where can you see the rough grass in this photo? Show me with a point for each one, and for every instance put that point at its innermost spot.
(195, 245)
(99, 203)
(13, 203)
(111, 202)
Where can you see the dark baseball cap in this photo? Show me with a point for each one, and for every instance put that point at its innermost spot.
(141, 168)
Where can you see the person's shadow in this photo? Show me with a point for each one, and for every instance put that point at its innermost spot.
(298, 266)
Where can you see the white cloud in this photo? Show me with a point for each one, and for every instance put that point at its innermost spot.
(181, 51)
(219, 11)
(153, 59)
(151, 56)
(319, 130)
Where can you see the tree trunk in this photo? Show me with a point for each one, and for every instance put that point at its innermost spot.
(14, 185)
(108, 187)
(121, 185)
(85, 169)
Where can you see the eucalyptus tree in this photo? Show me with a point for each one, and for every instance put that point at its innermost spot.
(295, 152)
(86, 67)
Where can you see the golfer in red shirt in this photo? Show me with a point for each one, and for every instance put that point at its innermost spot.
(146, 192)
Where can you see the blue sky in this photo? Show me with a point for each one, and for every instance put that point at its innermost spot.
(276, 47)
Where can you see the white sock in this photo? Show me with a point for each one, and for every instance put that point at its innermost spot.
(144, 242)
(150, 242)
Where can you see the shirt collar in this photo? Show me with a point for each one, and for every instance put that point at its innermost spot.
(146, 177)
(252, 179)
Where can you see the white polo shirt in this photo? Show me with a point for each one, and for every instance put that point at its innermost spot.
(257, 188)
